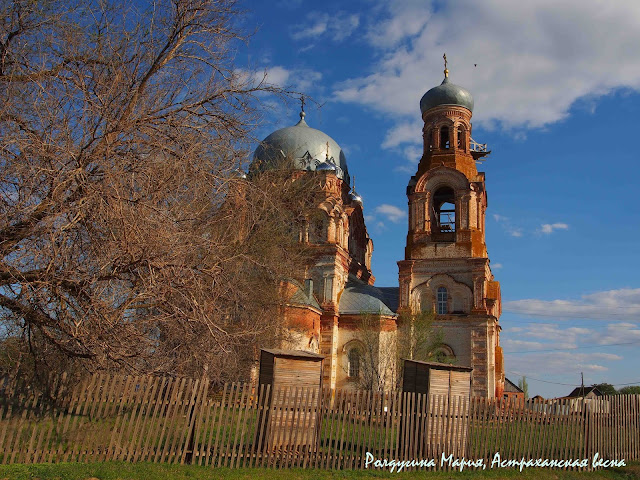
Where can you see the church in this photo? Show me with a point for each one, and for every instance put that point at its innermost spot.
(445, 269)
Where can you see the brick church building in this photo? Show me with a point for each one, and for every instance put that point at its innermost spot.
(446, 267)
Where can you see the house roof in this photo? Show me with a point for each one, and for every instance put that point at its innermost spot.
(584, 391)
(440, 366)
(509, 386)
(278, 352)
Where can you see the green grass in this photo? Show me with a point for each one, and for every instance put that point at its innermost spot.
(147, 471)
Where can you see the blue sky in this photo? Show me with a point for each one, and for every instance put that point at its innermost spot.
(556, 88)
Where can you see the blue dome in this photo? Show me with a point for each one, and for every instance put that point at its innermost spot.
(326, 167)
(310, 149)
(446, 93)
(355, 198)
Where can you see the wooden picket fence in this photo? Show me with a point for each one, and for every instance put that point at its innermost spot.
(180, 420)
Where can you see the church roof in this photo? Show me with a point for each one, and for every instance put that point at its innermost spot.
(301, 298)
(391, 297)
(308, 147)
(446, 93)
(361, 298)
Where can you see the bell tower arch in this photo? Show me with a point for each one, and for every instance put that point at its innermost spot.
(446, 264)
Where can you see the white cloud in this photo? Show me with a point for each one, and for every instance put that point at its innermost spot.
(560, 363)
(406, 19)
(336, 26)
(413, 155)
(606, 305)
(509, 344)
(277, 75)
(507, 226)
(534, 59)
(496, 266)
(606, 356)
(618, 333)
(550, 227)
(404, 132)
(391, 212)
(552, 351)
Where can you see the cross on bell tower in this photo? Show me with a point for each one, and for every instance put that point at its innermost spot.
(446, 267)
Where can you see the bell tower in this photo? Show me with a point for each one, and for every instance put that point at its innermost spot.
(446, 267)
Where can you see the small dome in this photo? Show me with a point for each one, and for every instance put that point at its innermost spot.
(446, 93)
(307, 147)
(326, 166)
(354, 197)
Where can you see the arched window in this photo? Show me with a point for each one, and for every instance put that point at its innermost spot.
(461, 139)
(354, 362)
(318, 229)
(443, 298)
(444, 137)
(443, 354)
(428, 140)
(445, 210)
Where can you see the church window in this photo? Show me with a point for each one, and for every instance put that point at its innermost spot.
(444, 137)
(445, 210)
(318, 230)
(354, 363)
(328, 289)
(443, 354)
(442, 301)
(461, 140)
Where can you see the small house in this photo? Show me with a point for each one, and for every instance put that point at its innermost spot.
(436, 379)
(447, 389)
(512, 391)
(294, 381)
(589, 398)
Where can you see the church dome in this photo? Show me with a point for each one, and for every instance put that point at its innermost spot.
(446, 93)
(326, 166)
(310, 149)
(355, 198)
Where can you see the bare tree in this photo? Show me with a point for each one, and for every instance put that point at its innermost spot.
(382, 353)
(127, 240)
